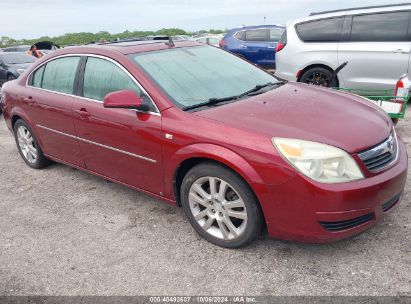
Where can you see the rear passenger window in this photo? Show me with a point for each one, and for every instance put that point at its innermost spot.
(380, 27)
(276, 33)
(256, 35)
(325, 30)
(102, 77)
(59, 75)
(239, 35)
(38, 77)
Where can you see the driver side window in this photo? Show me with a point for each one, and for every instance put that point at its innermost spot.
(102, 77)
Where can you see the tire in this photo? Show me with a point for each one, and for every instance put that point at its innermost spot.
(319, 76)
(28, 146)
(211, 216)
(11, 77)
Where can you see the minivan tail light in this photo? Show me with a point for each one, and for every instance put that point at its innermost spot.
(222, 43)
(280, 46)
(399, 88)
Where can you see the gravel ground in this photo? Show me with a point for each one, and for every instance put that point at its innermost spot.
(66, 232)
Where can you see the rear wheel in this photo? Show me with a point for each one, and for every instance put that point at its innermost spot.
(319, 76)
(220, 206)
(28, 146)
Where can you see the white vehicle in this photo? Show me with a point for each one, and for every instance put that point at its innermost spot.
(376, 42)
(211, 39)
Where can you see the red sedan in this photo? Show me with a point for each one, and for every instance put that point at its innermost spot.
(238, 149)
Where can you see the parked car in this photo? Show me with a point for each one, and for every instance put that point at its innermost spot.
(257, 44)
(211, 39)
(13, 64)
(375, 41)
(165, 37)
(228, 141)
(17, 48)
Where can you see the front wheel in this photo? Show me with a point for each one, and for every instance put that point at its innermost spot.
(220, 206)
(28, 146)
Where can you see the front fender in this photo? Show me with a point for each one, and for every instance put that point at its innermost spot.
(213, 152)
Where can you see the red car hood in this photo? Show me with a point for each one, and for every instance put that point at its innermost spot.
(310, 113)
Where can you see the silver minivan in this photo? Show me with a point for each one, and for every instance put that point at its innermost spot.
(375, 41)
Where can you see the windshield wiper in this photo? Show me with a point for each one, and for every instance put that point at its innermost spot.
(214, 101)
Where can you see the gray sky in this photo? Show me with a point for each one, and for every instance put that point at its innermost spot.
(32, 19)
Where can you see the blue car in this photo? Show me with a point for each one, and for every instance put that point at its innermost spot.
(254, 43)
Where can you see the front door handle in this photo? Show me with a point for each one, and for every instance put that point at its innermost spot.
(401, 51)
(83, 113)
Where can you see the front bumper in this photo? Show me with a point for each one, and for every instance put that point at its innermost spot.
(307, 211)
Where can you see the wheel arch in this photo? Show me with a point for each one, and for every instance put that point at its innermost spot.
(17, 114)
(14, 119)
(317, 65)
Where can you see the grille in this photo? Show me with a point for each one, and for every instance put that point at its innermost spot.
(391, 203)
(347, 224)
(381, 155)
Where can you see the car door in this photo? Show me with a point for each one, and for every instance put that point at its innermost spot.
(377, 50)
(3, 72)
(122, 144)
(48, 99)
(254, 46)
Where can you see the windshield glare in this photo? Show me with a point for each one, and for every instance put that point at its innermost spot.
(18, 58)
(194, 75)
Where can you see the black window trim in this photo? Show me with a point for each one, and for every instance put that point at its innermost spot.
(243, 31)
(408, 35)
(346, 36)
(321, 19)
(29, 81)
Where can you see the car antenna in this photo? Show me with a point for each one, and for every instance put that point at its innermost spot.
(170, 42)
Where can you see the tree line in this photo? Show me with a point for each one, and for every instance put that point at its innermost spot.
(86, 37)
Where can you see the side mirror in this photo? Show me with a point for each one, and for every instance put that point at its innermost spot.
(125, 99)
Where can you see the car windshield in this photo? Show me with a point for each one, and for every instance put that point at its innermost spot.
(18, 58)
(194, 75)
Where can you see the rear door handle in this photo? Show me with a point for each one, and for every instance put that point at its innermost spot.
(29, 100)
(83, 113)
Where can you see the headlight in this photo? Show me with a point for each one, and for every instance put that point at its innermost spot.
(20, 71)
(320, 162)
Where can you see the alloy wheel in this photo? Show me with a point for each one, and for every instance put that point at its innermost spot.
(27, 144)
(318, 78)
(218, 208)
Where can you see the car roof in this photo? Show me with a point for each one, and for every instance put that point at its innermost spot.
(18, 46)
(128, 47)
(353, 11)
(11, 53)
(253, 27)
